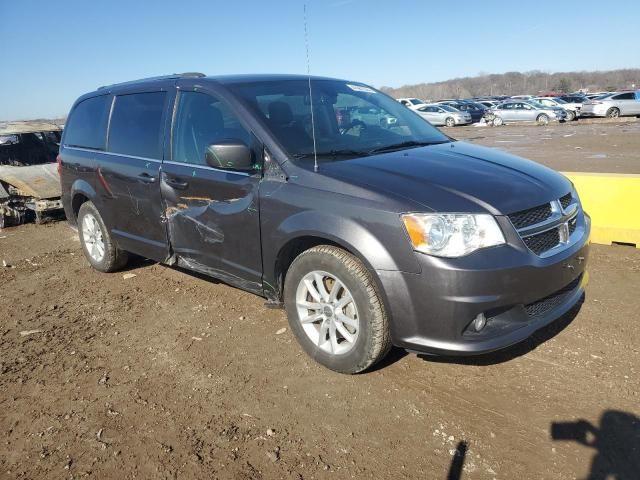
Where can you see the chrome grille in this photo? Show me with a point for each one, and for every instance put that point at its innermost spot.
(531, 216)
(544, 241)
(546, 227)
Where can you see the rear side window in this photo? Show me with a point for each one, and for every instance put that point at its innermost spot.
(87, 125)
(136, 125)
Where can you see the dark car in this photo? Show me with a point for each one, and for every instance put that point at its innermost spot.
(580, 99)
(368, 235)
(476, 110)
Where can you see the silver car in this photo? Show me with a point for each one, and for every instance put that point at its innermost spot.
(438, 114)
(613, 105)
(374, 116)
(525, 111)
(572, 111)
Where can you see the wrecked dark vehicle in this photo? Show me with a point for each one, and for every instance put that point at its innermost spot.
(29, 184)
(368, 235)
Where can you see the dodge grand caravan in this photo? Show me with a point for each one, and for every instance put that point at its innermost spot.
(369, 234)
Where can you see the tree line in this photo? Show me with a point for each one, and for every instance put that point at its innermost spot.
(534, 82)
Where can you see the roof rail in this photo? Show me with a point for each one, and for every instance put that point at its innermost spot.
(173, 76)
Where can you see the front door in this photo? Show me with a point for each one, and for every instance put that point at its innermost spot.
(211, 213)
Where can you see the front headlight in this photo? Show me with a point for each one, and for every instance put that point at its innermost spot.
(451, 234)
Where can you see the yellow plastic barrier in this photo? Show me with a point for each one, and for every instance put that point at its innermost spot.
(613, 202)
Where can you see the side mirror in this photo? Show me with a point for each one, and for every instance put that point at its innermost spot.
(229, 154)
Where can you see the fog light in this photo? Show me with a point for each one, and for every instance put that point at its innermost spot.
(480, 322)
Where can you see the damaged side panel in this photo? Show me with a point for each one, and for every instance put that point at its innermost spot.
(212, 222)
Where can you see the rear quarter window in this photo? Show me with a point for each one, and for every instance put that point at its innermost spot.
(87, 125)
(136, 127)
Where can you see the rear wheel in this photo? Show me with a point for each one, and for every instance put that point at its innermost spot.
(335, 311)
(450, 122)
(613, 112)
(97, 244)
(542, 119)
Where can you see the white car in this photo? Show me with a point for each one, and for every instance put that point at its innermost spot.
(521, 97)
(613, 105)
(412, 103)
(572, 109)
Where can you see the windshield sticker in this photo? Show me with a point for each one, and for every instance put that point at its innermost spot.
(360, 88)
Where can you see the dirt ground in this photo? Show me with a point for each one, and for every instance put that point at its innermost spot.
(170, 375)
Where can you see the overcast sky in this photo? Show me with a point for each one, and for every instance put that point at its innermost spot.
(54, 51)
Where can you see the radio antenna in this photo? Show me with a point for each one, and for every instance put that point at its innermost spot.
(313, 123)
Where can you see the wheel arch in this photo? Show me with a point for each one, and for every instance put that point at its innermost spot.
(81, 192)
(340, 232)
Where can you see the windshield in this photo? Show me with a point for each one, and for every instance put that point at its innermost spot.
(350, 119)
(559, 100)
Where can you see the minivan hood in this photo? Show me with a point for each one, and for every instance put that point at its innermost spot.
(455, 177)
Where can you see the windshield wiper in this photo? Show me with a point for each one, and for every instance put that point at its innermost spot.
(332, 153)
(407, 144)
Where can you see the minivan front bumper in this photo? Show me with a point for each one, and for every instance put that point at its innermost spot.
(517, 292)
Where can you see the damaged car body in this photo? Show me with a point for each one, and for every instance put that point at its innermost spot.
(29, 183)
(369, 235)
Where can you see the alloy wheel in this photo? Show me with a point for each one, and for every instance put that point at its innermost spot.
(92, 236)
(328, 312)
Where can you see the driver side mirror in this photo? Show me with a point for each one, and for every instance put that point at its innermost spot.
(229, 154)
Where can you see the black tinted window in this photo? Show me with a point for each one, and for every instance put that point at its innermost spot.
(136, 125)
(87, 125)
(200, 121)
(625, 96)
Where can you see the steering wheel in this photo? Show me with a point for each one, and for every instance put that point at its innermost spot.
(354, 124)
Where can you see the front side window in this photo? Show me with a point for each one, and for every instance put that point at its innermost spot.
(87, 124)
(624, 96)
(136, 125)
(348, 119)
(202, 120)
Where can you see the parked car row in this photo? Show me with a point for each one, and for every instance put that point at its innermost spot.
(498, 110)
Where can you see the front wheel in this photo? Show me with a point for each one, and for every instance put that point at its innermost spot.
(97, 244)
(335, 310)
(542, 119)
(497, 121)
(450, 122)
(571, 116)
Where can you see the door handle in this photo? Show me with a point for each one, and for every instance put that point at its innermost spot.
(146, 178)
(176, 183)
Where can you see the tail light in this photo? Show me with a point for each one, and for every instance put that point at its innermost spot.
(59, 162)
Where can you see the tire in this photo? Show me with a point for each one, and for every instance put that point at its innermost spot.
(450, 122)
(571, 116)
(542, 119)
(497, 121)
(367, 338)
(99, 248)
(613, 112)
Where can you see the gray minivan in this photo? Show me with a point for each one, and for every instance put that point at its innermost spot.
(368, 235)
